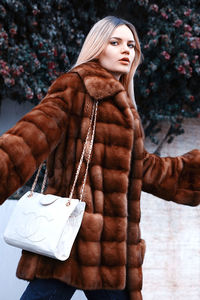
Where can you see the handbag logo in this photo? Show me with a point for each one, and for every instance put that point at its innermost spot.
(33, 226)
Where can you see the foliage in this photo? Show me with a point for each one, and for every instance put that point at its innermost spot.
(39, 40)
(168, 78)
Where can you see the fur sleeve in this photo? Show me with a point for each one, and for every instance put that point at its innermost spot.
(31, 140)
(173, 178)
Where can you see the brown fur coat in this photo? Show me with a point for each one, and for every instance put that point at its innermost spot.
(108, 252)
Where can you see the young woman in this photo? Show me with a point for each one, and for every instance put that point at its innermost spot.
(106, 259)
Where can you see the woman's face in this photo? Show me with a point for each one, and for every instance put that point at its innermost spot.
(119, 52)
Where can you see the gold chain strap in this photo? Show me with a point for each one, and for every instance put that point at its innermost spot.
(92, 121)
(94, 116)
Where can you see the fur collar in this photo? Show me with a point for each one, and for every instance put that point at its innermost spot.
(98, 82)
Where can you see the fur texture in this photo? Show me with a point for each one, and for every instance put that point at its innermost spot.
(108, 252)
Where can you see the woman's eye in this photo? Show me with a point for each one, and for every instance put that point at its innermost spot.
(114, 43)
(131, 46)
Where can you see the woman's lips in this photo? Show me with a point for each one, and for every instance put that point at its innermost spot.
(125, 60)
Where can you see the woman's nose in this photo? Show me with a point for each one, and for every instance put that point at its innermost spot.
(125, 49)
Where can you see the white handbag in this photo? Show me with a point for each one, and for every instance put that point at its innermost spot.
(48, 224)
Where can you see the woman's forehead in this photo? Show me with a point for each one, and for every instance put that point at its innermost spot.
(123, 31)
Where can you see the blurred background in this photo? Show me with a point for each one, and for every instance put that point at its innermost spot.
(40, 40)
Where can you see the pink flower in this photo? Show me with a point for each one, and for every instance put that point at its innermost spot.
(29, 93)
(35, 23)
(187, 27)
(154, 7)
(178, 23)
(195, 43)
(4, 72)
(18, 71)
(190, 70)
(182, 70)
(166, 55)
(21, 68)
(9, 81)
(186, 62)
(187, 12)
(182, 54)
(151, 32)
(164, 15)
(37, 63)
(187, 34)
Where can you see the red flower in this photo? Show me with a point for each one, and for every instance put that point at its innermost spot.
(13, 31)
(147, 91)
(4, 35)
(35, 11)
(177, 125)
(191, 97)
(182, 69)
(39, 96)
(166, 55)
(51, 65)
(178, 23)
(55, 52)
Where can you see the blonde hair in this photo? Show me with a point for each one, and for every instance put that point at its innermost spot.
(96, 41)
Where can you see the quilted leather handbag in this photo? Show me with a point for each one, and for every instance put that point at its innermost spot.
(48, 224)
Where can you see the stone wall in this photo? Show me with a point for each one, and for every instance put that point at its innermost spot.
(172, 233)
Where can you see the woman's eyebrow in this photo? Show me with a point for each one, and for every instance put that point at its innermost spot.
(119, 39)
